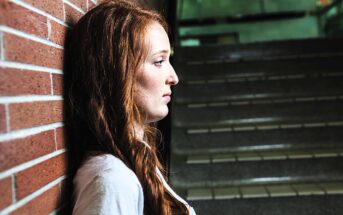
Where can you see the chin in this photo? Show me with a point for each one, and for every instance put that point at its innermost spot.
(158, 116)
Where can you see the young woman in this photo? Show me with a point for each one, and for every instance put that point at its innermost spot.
(118, 83)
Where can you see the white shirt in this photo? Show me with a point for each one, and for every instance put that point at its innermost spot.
(105, 185)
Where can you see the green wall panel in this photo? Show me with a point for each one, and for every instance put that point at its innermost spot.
(261, 31)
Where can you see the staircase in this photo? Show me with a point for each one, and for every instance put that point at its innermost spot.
(258, 128)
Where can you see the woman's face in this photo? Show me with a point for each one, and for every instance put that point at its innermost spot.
(155, 76)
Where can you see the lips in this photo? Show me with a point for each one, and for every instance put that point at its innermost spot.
(167, 97)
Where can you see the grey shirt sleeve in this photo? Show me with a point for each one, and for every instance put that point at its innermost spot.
(106, 186)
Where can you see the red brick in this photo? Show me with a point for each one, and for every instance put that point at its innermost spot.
(71, 15)
(58, 32)
(5, 192)
(30, 180)
(19, 82)
(82, 4)
(52, 7)
(27, 51)
(91, 4)
(42, 204)
(60, 138)
(57, 84)
(26, 115)
(2, 119)
(23, 19)
(18, 151)
(1, 52)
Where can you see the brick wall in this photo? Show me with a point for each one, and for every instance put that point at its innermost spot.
(32, 152)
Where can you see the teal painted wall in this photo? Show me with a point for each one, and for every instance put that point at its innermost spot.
(209, 8)
(306, 27)
(263, 31)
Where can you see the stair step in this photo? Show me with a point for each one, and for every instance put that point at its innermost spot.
(261, 101)
(263, 155)
(184, 143)
(261, 114)
(256, 51)
(290, 205)
(267, 69)
(276, 190)
(186, 176)
(257, 90)
(257, 128)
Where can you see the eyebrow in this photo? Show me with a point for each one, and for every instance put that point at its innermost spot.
(159, 52)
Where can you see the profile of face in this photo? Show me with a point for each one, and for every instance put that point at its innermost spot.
(155, 76)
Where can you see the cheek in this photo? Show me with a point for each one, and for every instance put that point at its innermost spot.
(143, 77)
(149, 86)
(150, 83)
(143, 94)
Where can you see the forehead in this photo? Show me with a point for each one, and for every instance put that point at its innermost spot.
(157, 38)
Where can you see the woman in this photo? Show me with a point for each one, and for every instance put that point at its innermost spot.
(118, 83)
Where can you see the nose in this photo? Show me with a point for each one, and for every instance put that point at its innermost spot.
(172, 77)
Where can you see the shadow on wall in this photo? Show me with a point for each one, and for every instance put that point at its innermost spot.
(67, 188)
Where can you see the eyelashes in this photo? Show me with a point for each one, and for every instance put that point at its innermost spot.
(160, 60)
(158, 63)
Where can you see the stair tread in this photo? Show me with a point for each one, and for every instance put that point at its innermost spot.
(260, 114)
(184, 143)
(302, 205)
(252, 173)
(271, 191)
(266, 89)
(260, 50)
(264, 155)
(264, 68)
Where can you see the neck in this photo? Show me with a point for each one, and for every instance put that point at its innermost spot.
(138, 131)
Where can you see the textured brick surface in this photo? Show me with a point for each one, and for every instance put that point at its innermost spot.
(5, 192)
(57, 84)
(2, 54)
(82, 4)
(71, 15)
(15, 152)
(58, 31)
(40, 22)
(29, 180)
(52, 7)
(27, 51)
(23, 82)
(23, 19)
(25, 115)
(2, 119)
(60, 138)
(43, 204)
(90, 5)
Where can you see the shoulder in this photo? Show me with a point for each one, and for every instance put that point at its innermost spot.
(106, 170)
(105, 185)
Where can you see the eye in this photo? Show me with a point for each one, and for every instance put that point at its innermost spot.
(159, 62)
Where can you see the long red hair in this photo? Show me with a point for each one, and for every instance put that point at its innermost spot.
(106, 48)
